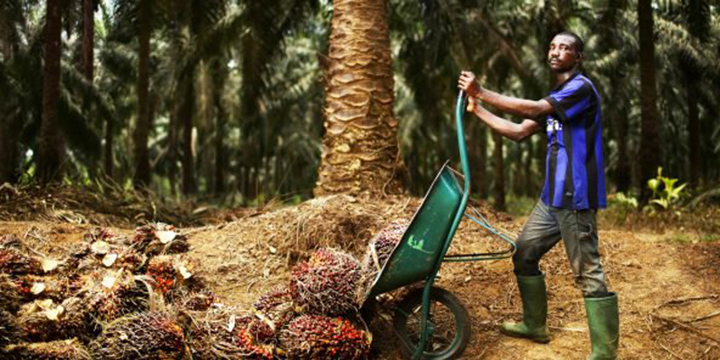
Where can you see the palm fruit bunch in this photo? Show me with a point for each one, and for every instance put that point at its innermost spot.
(149, 335)
(326, 284)
(252, 336)
(383, 244)
(275, 307)
(14, 262)
(8, 328)
(10, 294)
(322, 337)
(379, 250)
(70, 349)
(210, 335)
(117, 295)
(194, 301)
(43, 320)
(57, 288)
(161, 270)
(221, 334)
(159, 238)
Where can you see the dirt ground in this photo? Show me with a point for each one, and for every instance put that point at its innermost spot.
(669, 292)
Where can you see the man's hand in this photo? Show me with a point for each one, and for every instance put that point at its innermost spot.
(471, 104)
(469, 83)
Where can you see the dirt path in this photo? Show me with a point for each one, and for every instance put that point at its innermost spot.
(669, 293)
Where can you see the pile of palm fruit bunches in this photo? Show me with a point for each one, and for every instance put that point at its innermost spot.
(119, 297)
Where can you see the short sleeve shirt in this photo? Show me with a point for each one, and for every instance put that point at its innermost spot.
(574, 177)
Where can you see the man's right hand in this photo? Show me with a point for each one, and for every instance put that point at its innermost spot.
(469, 83)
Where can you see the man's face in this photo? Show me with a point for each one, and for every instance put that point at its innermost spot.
(562, 54)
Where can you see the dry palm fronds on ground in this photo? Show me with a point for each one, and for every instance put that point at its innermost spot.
(322, 337)
(150, 335)
(56, 350)
(326, 284)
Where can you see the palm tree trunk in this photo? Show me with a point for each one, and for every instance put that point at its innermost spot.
(650, 151)
(9, 151)
(108, 152)
(142, 128)
(623, 171)
(219, 147)
(694, 141)
(360, 148)
(88, 38)
(186, 119)
(499, 183)
(51, 147)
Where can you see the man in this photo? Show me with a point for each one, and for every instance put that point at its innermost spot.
(574, 189)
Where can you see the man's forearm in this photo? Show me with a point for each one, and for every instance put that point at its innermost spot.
(518, 107)
(509, 129)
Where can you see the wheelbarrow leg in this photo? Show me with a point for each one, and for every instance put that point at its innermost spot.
(423, 322)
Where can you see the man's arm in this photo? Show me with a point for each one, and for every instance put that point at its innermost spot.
(518, 107)
(509, 129)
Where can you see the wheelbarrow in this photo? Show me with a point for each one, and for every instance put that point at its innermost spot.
(444, 333)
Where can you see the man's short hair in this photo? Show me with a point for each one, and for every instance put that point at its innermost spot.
(579, 43)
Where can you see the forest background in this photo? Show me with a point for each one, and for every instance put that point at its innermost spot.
(228, 102)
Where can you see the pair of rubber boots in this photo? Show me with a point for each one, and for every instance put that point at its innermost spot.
(603, 318)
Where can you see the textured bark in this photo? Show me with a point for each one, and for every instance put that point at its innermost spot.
(219, 147)
(499, 169)
(694, 139)
(360, 149)
(9, 150)
(108, 151)
(186, 119)
(623, 171)
(88, 38)
(142, 127)
(650, 151)
(51, 146)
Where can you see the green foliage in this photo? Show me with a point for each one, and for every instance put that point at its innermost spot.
(620, 207)
(257, 69)
(665, 194)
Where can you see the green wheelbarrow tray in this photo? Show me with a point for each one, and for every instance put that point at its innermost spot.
(423, 247)
(422, 244)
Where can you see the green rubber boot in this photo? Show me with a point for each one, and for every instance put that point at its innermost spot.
(604, 323)
(534, 298)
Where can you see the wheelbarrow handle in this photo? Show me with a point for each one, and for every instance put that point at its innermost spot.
(460, 108)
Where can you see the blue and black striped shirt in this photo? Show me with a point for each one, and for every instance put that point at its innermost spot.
(574, 178)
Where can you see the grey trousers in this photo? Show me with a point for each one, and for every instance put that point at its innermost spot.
(545, 227)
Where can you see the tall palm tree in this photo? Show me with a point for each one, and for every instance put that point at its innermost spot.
(360, 154)
(51, 147)
(650, 151)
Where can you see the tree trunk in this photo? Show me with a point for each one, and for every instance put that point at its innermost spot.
(186, 119)
(360, 148)
(88, 38)
(623, 171)
(650, 151)
(51, 147)
(499, 183)
(694, 140)
(142, 127)
(109, 140)
(9, 151)
(219, 148)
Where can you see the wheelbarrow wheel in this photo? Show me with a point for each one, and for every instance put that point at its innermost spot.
(448, 318)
